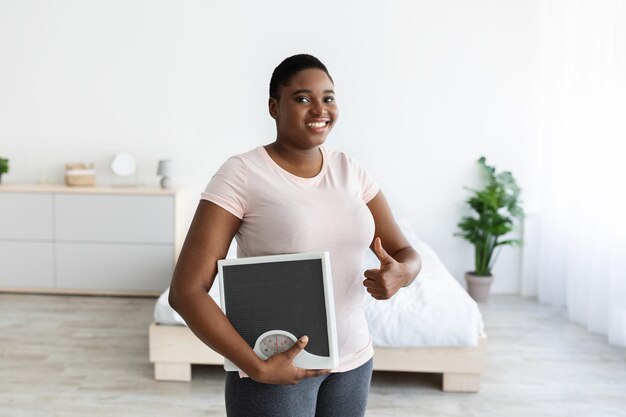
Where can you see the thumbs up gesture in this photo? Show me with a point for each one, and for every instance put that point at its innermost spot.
(384, 282)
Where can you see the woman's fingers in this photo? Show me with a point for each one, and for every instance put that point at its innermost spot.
(297, 347)
(370, 283)
(385, 282)
(282, 370)
(374, 287)
(372, 274)
(371, 286)
(312, 373)
(375, 293)
(381, 253)
(293, 351)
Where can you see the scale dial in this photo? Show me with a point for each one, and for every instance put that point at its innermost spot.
(273, 342)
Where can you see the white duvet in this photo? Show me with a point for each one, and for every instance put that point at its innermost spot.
(433, 311)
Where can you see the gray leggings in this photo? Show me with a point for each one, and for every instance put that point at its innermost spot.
(336, 394)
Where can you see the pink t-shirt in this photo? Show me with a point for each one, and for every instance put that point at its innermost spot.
(283, 213)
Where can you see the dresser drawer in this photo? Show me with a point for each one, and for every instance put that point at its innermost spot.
(95, 240)
(114, 218)
(26, 216)
(26, 264)
(128, 267)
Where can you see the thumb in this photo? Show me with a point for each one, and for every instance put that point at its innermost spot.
(381, 253)
(297, 347)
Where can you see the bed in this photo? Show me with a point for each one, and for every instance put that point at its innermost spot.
(431, 326)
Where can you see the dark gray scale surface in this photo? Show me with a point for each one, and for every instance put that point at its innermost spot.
(285, 296)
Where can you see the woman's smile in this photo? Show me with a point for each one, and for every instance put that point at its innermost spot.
(318, 125)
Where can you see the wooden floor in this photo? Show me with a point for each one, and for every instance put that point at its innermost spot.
(82, 356)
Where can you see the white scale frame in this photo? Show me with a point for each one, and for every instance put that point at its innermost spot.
(304, 359)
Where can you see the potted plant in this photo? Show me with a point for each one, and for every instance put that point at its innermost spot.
(495, 209)
(4, 167)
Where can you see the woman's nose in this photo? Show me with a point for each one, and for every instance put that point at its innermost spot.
(318, 108)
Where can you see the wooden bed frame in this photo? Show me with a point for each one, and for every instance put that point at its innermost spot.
(173, 349)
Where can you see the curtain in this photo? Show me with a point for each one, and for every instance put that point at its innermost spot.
(582, 135)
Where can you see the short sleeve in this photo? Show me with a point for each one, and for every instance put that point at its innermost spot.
(369, 186)
(228, 188)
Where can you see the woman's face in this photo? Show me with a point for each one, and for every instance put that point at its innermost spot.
(306, 110)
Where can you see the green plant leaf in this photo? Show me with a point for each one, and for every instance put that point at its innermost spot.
(495, 208)
(513, 242)
(4, 165)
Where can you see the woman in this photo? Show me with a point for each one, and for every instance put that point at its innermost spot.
(290, 196)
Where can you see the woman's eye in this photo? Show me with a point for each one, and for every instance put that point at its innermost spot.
(329, 99)
(302, 99)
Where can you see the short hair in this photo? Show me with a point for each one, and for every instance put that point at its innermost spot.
(287, 69)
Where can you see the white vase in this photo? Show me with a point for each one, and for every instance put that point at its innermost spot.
(478, 286)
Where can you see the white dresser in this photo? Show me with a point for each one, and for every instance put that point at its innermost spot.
(95, 240)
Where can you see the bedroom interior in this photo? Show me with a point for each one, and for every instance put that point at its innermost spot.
(114, 116)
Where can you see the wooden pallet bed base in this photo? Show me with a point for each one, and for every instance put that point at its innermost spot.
(173, 349)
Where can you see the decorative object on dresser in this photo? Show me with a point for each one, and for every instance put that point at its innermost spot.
(92, 240)
(164, 170)
(124, 166)
(4, 167)
(495, 208)
(80, 175)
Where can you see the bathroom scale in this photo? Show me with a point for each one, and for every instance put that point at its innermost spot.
(274, 300)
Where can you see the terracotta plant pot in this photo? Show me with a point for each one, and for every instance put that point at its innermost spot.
(478, 286)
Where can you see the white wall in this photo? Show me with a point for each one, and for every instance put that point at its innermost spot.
(424, 88)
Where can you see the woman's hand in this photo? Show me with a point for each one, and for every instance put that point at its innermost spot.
(279, 369)
(385, 282)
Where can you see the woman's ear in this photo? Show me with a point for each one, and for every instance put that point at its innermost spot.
(273, 108)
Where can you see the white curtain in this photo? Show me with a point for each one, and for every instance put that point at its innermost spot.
(582, 129)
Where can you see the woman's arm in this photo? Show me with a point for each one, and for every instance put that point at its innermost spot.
(399, 262)
(207, 241)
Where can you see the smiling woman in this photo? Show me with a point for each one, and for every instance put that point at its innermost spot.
(302, 102)
(294, 195)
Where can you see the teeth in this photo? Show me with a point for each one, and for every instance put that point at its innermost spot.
(317, 125)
